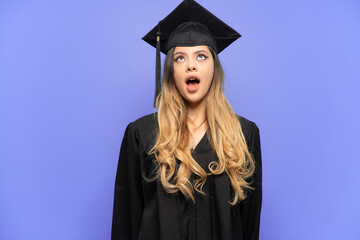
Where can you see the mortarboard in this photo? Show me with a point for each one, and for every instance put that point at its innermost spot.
(189, 24)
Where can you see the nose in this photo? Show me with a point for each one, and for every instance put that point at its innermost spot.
(191, 66)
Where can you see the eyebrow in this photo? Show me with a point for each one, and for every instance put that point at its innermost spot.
(196, 52)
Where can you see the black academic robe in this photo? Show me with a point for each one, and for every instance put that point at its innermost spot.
(143, 210)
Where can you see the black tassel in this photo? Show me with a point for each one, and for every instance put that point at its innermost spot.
(158, 66)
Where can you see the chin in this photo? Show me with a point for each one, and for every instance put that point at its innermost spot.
(194, 100)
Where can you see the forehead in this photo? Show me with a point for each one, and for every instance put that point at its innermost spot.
(191, 50)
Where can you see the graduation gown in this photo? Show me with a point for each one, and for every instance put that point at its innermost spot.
(143, 210)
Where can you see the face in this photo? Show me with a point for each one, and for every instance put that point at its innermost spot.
(193, 72)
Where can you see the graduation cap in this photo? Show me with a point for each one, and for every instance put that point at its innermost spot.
(189, 24)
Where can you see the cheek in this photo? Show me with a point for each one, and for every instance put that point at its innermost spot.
(177, 77)
(209, 74)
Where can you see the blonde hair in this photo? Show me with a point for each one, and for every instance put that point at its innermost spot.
(226, 138)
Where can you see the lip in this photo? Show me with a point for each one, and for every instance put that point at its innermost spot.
(192, 87)
(190, 77)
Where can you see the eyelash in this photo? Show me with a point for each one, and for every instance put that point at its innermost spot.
(202, 55)
(177, 59)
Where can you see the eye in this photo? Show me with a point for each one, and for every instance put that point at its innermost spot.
(180, 59)
(201, 57)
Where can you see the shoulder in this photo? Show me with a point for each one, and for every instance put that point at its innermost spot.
(251, 134)
(144, 130)
(247, 126)
(145, 122)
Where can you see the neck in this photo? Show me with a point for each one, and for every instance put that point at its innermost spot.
(196, 122)
(196, 115)
(196, 112)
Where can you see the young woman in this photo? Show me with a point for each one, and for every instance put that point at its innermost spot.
(193, 169)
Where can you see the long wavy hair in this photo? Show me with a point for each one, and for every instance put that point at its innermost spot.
(175, 165)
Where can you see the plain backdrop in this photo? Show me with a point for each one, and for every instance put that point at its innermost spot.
(74, 73)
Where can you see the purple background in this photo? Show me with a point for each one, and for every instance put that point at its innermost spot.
(73, 74)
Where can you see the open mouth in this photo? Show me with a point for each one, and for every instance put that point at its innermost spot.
(192, 84)
(192, 81)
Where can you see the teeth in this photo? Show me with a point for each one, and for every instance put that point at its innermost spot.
(192, 79)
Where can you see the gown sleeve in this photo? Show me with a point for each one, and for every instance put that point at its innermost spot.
(251, 207)
(128, 196)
